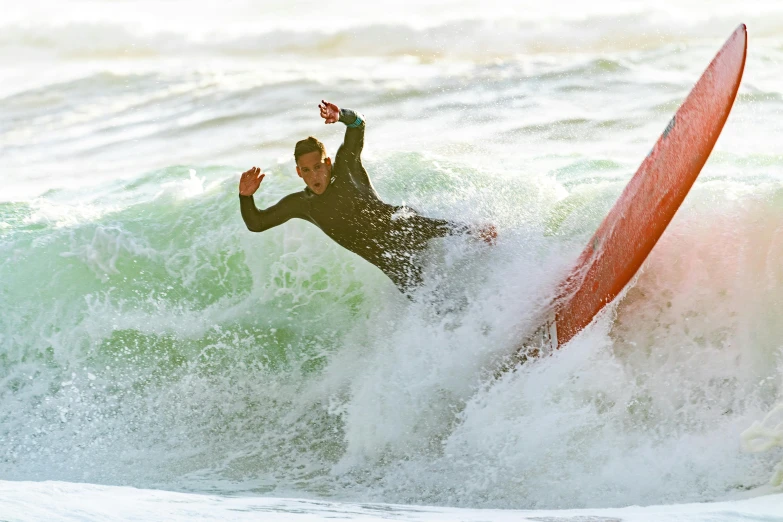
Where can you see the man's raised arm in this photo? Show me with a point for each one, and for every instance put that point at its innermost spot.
(351, 149)
(353, 143)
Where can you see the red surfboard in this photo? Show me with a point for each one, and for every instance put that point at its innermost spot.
(647, 205)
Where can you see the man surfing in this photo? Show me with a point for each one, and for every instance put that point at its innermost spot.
(340, 200)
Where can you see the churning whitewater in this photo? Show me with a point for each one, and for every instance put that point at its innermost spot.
(148, 339)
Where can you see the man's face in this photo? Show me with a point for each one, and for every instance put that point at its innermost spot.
(316, 172)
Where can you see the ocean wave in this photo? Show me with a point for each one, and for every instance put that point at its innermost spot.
(476, 39)
(157, 342)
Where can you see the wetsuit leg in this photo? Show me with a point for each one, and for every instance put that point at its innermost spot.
(403, 246)
(404, 270)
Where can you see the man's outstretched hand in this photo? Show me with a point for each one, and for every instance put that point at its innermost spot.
(250, 181)
(329, 111)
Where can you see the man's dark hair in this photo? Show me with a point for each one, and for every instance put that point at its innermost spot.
(309, 145)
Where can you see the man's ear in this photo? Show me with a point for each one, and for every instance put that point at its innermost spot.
(298, 171)
(328, 161)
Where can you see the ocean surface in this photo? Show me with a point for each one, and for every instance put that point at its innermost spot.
(158, 360)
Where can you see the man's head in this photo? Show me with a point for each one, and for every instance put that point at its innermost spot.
(312, 164)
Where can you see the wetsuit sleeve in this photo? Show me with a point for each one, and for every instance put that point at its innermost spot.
(257, 220)
(351, 149)
(449, 228)
(434, 227)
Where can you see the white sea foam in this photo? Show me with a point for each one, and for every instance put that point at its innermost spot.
(23, 501)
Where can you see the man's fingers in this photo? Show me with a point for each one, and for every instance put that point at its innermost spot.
(252, 173)
(328, 111)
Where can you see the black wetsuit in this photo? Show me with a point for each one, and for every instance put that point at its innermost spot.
(350, 212)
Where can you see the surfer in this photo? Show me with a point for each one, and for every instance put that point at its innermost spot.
(340, 200)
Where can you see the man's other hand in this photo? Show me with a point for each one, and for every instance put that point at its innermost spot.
(250, 181)
(329, 111)
(487, 233)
